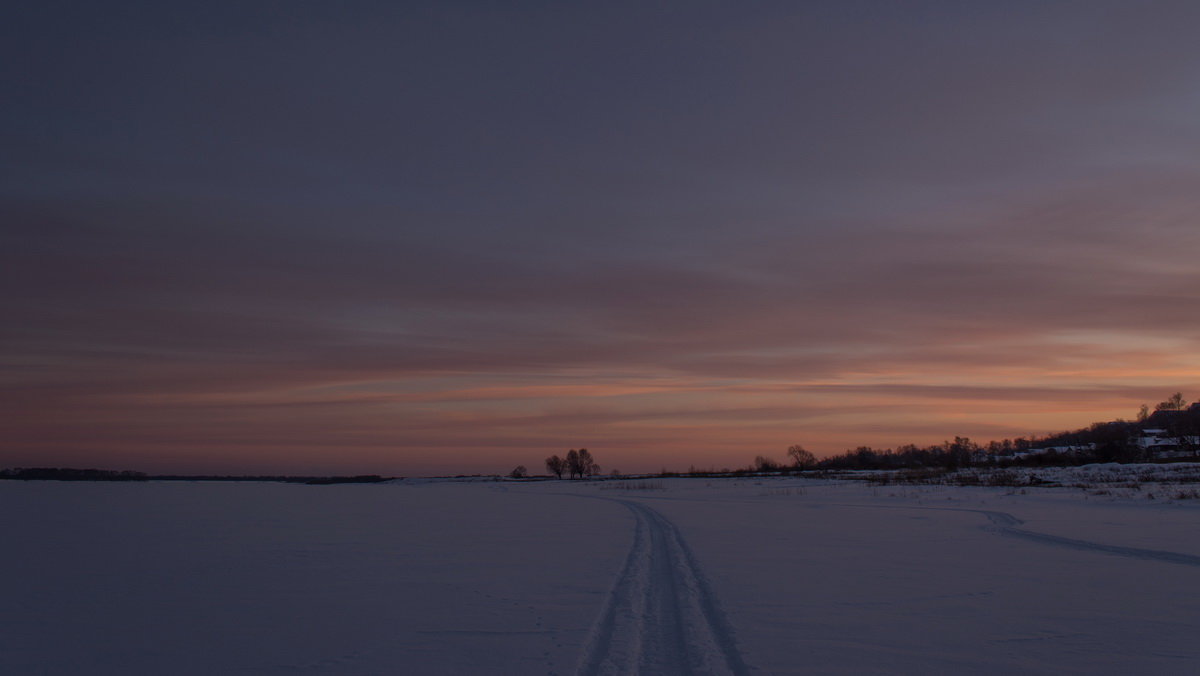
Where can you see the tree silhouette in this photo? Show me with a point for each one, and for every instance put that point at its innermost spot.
(581, 463)
(556, 466)
(802, 457)
(587, 464)
(1175, 403)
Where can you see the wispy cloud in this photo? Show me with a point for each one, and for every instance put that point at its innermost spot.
(698, 236)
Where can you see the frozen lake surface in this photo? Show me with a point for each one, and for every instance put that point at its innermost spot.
(711, 576)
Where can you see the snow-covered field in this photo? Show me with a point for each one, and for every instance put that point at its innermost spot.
(709, 576)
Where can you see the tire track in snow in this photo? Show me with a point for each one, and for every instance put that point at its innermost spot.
(660, 617)
(1006, 524)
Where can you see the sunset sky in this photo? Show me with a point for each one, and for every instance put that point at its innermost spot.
(395, 238)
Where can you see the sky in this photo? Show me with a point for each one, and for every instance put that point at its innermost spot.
(408, 238)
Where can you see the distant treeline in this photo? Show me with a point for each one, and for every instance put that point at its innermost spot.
(1117, 441)
(71, 474)
(962, 452)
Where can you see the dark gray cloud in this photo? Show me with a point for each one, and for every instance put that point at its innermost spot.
(255, 226)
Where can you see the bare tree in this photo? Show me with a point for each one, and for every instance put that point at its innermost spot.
(803, 458)
(1175, 403)
(556, 466)
(587, 464)
(581, 463)
(519, 472)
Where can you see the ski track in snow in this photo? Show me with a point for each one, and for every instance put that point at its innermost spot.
(660, 617)
(1006, 524)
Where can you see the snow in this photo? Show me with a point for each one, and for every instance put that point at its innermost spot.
(733, 576)
(853, 579)
(204, 578)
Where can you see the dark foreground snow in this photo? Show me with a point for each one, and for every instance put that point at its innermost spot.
(710, 577)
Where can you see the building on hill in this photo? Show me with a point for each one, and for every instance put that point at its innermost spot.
(1167, 432)
(1157, 440)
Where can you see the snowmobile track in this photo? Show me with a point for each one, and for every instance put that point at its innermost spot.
(1006, 524)
(660, 617)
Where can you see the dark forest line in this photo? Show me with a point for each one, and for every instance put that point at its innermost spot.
(72, 474)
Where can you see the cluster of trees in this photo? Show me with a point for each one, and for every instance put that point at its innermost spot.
(1102, 442)
(801, 459)
(1116, 441)
(577, 464)
(962, 452)
(1176, 402)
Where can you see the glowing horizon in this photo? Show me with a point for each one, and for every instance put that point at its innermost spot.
(407, 240)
